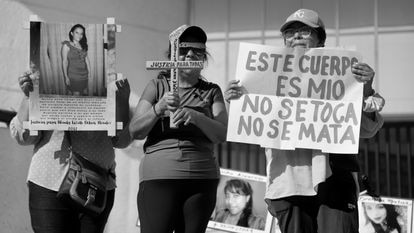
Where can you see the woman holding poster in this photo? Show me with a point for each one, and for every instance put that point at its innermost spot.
(179, 173)
(300, 180)
(75, 61)
(49, 164)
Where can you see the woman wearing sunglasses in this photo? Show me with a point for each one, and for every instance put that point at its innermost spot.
(179, 173)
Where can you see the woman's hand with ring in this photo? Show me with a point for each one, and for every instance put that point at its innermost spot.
(170, 101)
(186, 116)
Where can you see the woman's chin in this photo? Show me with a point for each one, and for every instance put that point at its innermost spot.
(189, 72)
(234, 213)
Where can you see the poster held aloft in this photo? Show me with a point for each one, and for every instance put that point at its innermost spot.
(297, 98)
(74, 85)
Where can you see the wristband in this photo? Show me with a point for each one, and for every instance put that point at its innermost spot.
(155, 112)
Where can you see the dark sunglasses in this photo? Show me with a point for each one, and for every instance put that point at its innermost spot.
(197, 52)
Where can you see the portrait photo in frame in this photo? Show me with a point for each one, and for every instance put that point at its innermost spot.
(73, 73)
(240, 205)
(385, 214)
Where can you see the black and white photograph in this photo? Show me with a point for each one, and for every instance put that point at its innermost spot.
(385, 214)
(206, 116)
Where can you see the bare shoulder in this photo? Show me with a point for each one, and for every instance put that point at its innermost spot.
(65, 45)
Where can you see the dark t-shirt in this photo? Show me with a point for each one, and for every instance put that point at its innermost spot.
(184, 152)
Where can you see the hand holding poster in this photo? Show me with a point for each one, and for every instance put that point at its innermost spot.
(297, 98)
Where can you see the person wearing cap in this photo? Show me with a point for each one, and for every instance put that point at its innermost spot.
(179, 173)
(300, 180)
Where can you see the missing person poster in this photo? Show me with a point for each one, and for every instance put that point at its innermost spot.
(297, 98)
(386, 214)
(240, 206)
(73, 72)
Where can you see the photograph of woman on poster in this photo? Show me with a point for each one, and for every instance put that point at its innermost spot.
(384, 215)
(73, 58)
(75, 61)
(381, 218)
(239, 206)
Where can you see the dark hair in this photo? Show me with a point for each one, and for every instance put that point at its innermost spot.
(241, 187)
(84, 41)
(390, 219)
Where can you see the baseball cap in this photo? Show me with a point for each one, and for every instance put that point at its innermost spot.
(308, 17)
(193, 36)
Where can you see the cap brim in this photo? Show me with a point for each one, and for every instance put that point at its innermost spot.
(287, 24)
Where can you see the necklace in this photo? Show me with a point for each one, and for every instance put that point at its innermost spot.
(76, 45)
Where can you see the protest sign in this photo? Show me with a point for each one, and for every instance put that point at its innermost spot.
(74, 87)
(297, 98)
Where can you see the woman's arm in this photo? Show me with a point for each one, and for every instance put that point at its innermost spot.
(371, 120)
(143, 120)
(88, 66)
(122, 138)
(17, 131)
(371, 123)
(148, 111)
(64, 53)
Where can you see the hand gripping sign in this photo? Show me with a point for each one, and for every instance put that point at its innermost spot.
(174, 65)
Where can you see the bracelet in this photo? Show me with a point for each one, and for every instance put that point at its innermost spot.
(373, 103)
(155, 112)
